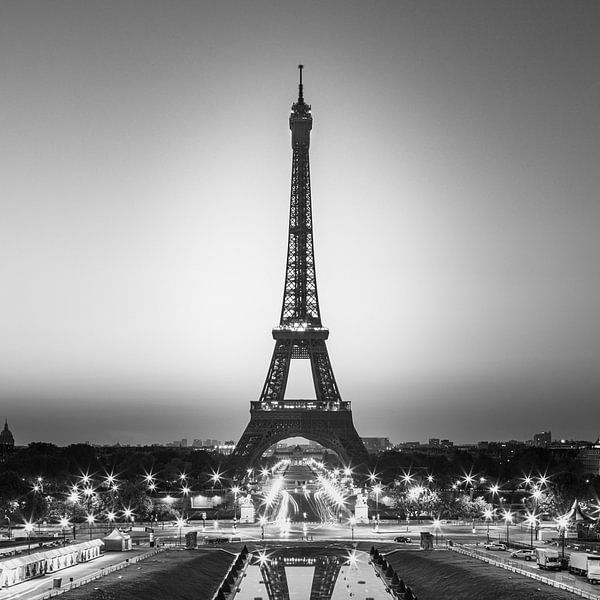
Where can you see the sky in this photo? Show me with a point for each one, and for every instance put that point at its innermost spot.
(145, 163)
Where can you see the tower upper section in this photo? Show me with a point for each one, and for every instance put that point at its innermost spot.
(300, 313)
(300, 119)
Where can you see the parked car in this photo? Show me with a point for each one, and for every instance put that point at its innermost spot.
(525, 553)
(403, 539)
(494, 546)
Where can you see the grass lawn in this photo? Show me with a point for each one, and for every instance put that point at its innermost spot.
(445, 574)
(172, 575)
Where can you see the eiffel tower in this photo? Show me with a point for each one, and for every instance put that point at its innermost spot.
(300, 336)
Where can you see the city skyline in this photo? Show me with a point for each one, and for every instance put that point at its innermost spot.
(146, 170)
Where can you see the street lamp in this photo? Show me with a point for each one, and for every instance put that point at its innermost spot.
(74, 499)
(263, 522)
(180, 524)
(129, 516)
(377, 491)
(352, 524)
(531, 520)
(562, 523)
(215, 478)
(90, 519)
(29, 529)
(110, 517)
(488, 514)
(236, 490)
(64, 523)
(436, 529)
(185, 490)
(508, 519)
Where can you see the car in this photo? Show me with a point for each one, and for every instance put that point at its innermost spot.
(403, 539)
(494, 546)
(525, 553)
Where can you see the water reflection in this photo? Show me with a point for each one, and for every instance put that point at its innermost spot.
(310, 573)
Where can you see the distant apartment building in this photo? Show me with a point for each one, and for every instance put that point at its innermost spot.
(542, 439)
(376, 444)
(227, 447)
(434, 442)
(590, 458)
(409, 445)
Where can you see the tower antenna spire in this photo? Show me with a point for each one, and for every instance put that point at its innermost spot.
(300, 87)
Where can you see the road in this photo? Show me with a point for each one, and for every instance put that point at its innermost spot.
(29, 590)
(562, 577)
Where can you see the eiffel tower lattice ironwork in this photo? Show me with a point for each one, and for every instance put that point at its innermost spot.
(300, 335)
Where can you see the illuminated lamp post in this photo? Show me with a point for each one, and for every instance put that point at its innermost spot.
(531, 520)
(90, 519)
(488, 514)
(352, 524)
(236, 490)
(180, 524)
(64, 524)
(377, 491)
(29, 529)
(508, 519)
(74, 499)
(263, 522)
(129, 516)
(562, 523)
(436, 529)
(110, 518)
(185, 490)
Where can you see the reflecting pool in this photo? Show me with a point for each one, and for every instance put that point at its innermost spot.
(310, 573)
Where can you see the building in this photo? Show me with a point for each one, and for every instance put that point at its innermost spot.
(590, 458)
(7, 441)
(376, 444)
(542, 439)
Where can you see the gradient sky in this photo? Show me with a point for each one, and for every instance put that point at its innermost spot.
(145, 166)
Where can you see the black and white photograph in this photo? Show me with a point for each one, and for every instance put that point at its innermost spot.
(299, 300)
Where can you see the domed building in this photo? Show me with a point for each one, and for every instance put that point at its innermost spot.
(7, 441)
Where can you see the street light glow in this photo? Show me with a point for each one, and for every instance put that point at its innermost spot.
(531, 519)
(407, 478)
(562, 521)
